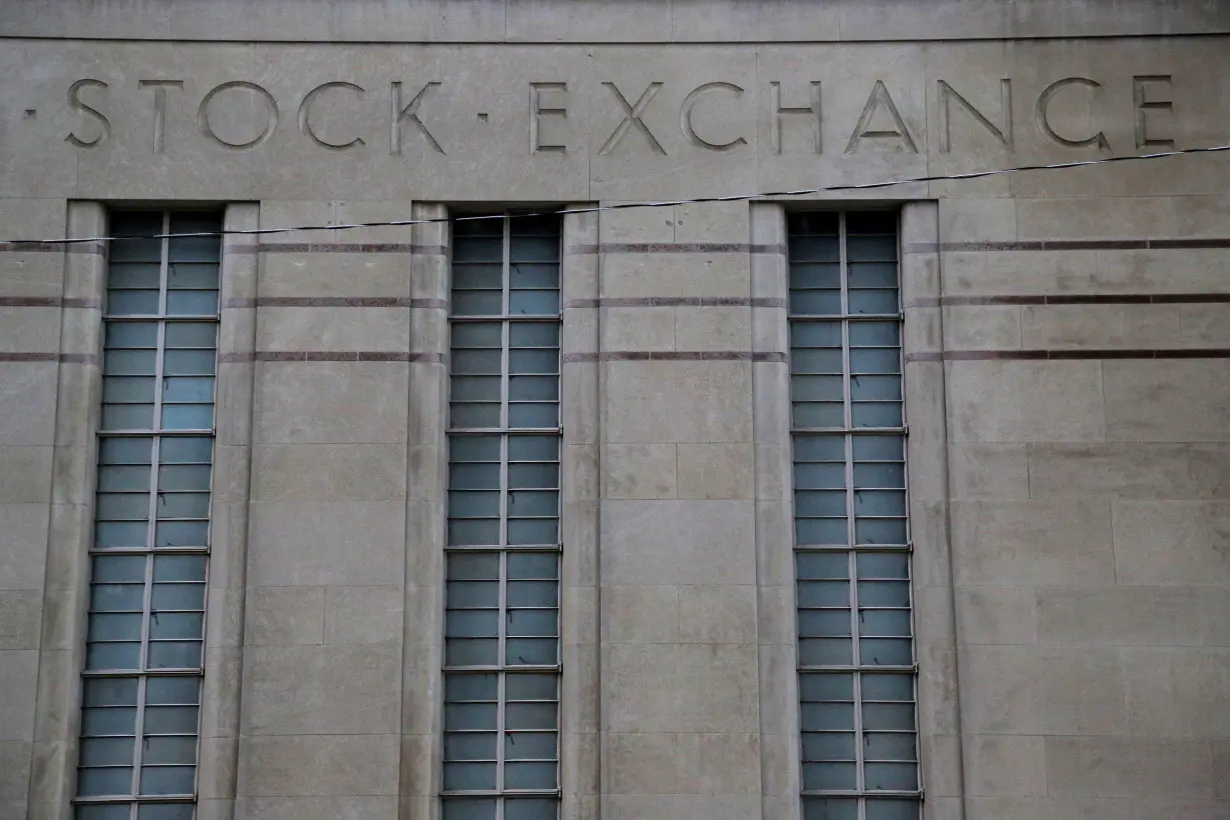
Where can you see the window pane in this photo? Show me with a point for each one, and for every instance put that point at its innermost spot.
(192, 334)
(177, 750)
(165, 811)
(106, 751)
(471, 687)
(104, 782)
(530, 775)
(893, 809)
(830, 808)
(470, 745)
(470, 715)
(530, 746)
(469, 776)
(167, 779)
(455, 809)
(526, 808)
(102, 721)
(531, 716)
(171, 720)
(829, 776)
(102, 811)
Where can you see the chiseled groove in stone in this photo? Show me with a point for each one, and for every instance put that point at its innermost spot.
(91, 248)
(675, 356)
(49, 301)
(676, 301)
(337, 247)
(1138, 244)
(673, 247)
(337, 301)
(66, 358)
(1061, 355)
(1076, 299)
(332, 356)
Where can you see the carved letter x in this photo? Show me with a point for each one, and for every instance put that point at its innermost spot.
(632, 116)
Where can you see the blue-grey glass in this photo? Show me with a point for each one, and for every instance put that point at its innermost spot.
(887, 687)
(104, 782)
(481, 249)
(815, 334)
(533, 448)
(473, 532)
(819, 448)
(898, 716)
(189, 389)
(127, 416)
(125, 450)
(830, 775)
(820, 502)
(171, 720)
(884, 623)
(470, 715)
(114, 626)
(824, 623)
(819, 746)
(123, 506)
(182, 505)
(106, 751)
(814, 686)
(533, 303)
(119, 479)
(880, 531)
(817, 716)
(527, 225)
(818, 414)
(476, 362)
(531, 808)
(474, 449)
(113, 655)
(477, 335)
(826, 651)
(194, 248)
(132, 302)
(530, 746)
(823, 593)
(874, 302)
(531, 716)
(167, 779)
(191, 275)
(469, 776)
(531, 686)
(875, 334)
(165, 811)
(128, 389)
(473, 593)
(819, 565)
(474, 686)
(179, 568)
(473, 566)
(474, 388)
(471, 651)
(817, 388)
(830, 808)
(533, 476)
(133, 275)
(530, 775)
(533, 623)
(894, 777)
(533, 503)
(889, 746)
(872, 275)
(174, 655)
(884, 593)
(487, 225)
(189, 362)
(474, 416)
(879, 502)
(169, 750)
(98, 692)
(881, 474)
(532, 593)
(186, 450)
(478, 276)
(184, 477)
(469, 809)
(181, 534)
(530, 276)
(886, 651)
(874, 247)
(878, 564)
(875, 360)
(534, 334)
(120, 720)
(135, 223)
(178, 597)
(192, 334)
(879, 448)
(116, 597)
(118, 568)
(478, 302)
(480, 503)
(533, 360)
(175, 626)
(820, 531)
(474, 476)
(819, 475)
(192, 302)
(173, 691)
(533, 388)
(533, 565)
(533, 248)
(825, 248)
(529, 532)
(895, 809)
(876, 414)
(815, 360)
(875, 388)
(533, 416)
(815, 302)
(129, 362)
(469, 745)
(472, 623)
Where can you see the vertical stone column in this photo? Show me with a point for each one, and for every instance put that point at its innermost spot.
(426, 490)
(779, 701)
(939, 723)
(680, 653)
(55, 716)
(220, 703)
(580, 708)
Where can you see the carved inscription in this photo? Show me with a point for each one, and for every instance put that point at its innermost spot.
(717, 117)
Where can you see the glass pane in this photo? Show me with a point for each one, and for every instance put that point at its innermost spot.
(121, 720)
(898, 716)
(189, 362)
(829, 776)
(875, 334)
(468, 532)
(471, 687)
(474, 448)
(534, 334)
(188, 389)
(130, 362)
(830, 808)
(473, 593)
(101, 811)
(114, 627)
(887, 687)
(530, 746)
(819, 448)
(132, 302)
(531, 651)
(469, 776)
(821, 531)
(825, 623)
(533, 303)
(171, 720)
(533, 448)
(182, 505)
(533, 476)
(824, 593)
(815, 302)
(532, 594)
(107, 751)
(165, 811)
(116, 597)
(533, 532)
(470, 715)
(819, 414)
(826, 651)
(532, 623)
(872, 502)
(186, 450)
(880, 531)
(111, 534)
(472, 623)
(884, 623)
(531, 808)
(109, 692)
(116, 479)
(469, 745)
(873, 274)
(883, 565)
(175, 626)
(826, 686)
(886, 651)
(531, 686)
(531, 716)
(188, 477)
(173, 691)
(127, 417)
(884, 593)
(478, 302)
(474, 416)
(823, 248)
(192, 334)
(178, 596)
(879, 475)
(123, 506)
(889, 746)
(523, 360)
(816, 388)
(820, 502)
(528, 275)
(533, 565)
(113, 568)
(468, 476)
(533, 248)
(828, 746)
(192, 302)
(875, 247)
(815, 716)
(179, 568)
(473, 503)
(890, 776)
(815, 360)
(185, 274)
(866, 302)
(875, 360)
(875, 388)
(815, 334)
(475, 388)
(473, 566)
(128, 389)
(104, 782)
(471, 809)
(530, 775)
(180, 750)
(175, 655)
(471, 651)
(817, 476)
(113, 655)
(483, 249)
(899, 809)
(167, 779)
(879, 448)
(477, 334)
(476, 362)
(469, 276)
(181, 534)
(533, 416)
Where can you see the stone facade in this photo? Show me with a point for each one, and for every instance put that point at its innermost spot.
(1064, 379)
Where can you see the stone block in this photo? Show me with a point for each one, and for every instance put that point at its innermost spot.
(20, 619)
(635, 275)
(997, 614)
(23, 545)
(713, 328)
(641, 763)
(29, 402)
(977, 220)
(638, 328)
(989, 471)
(331, 403)
(1178, 693)
(640, 614)
(14, 770)
(941, 765)
(1169, 543)
(285, 615)
(715, 471)
(324, 765)
(1133, 616)
(717, 614)
(678, 542)
(1015, 401)
(336, 543)
(333, 328)
(1087, 218)
(1142, 397)
(1133, 327)
(982, 327)
(363, 615)
(329, 472)
(1138, 470)
(639, 471)
(718, 763)
(1128, 767)
(678, 401)
(1006, 765)
(18, 680)
(29, 329)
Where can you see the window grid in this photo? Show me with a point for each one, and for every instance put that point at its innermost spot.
(856, 657)
(501, 745)
(144, 644)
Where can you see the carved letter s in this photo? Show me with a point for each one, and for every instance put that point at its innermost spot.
(74, 102)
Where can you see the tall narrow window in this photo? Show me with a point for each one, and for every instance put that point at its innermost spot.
(143, 665)
(852, 547)
(502, 652)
